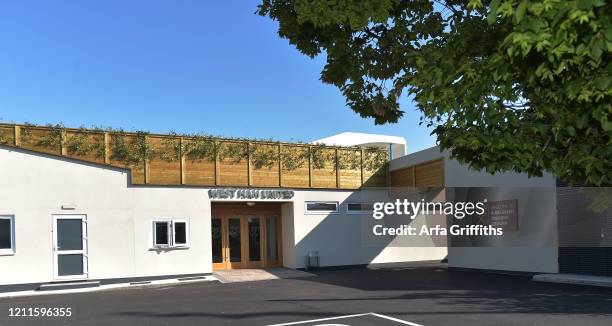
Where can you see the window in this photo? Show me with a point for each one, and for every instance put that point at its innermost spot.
(7, 235)
(180, 234)
(359, 208)
(161, 235)
(170, 233)
(321, 207)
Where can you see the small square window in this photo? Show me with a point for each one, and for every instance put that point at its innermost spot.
(7, 235)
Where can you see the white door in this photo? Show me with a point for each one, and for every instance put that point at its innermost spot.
(69, 247)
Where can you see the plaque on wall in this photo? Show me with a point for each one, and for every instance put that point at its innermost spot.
(502, 214)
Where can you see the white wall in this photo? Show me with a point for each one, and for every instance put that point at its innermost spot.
(531, 248)
(458, 175)
(429, 154)
(534, 247)
(118, 219)
(343, 239)
(288, 237)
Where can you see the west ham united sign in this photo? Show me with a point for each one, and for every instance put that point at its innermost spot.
(230, 193)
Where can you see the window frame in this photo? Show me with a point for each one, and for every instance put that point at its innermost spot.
(9, 251)
(359, 212)
(168, 235)
(187, 238)
(319, 212)
(171, 234)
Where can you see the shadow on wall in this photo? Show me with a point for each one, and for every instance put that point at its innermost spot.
(536, 220)
(347, 238)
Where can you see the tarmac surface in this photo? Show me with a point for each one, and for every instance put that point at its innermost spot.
(391, 296)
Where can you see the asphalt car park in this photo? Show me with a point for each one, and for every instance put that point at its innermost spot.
(357, 297)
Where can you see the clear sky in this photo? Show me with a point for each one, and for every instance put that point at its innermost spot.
(190, 66)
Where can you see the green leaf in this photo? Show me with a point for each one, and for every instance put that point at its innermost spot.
(492, 16)
(598, 3)
(584, 4)
(581, 121)
(596, 51)
(608, 32)
(474, 4)
(520, 11)
(602, 82)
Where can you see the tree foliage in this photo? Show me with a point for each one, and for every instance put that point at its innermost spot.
(507, 85)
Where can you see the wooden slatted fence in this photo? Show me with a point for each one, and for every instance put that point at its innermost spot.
(426, 174)
(344, 168)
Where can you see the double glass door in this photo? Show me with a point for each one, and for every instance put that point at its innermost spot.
(245, 242)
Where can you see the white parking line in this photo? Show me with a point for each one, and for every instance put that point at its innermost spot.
(349, 316)
(318, 320)
(395, 319)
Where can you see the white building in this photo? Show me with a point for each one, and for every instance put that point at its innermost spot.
(63, 219)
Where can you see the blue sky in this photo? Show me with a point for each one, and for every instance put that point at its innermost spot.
(190, 66)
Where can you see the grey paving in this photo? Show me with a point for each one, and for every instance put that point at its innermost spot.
(251, 275)
(422, 295)
(575, 279)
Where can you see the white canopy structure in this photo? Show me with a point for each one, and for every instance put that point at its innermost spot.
(395, 144)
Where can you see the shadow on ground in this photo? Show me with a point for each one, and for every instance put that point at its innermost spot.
(424, 295)
(491, 293)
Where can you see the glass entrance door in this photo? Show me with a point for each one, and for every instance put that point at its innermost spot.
(218, 243)
(245, 242)
(253, 241)
(234, 243)
(227, 242)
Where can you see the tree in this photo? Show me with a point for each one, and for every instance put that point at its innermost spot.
(507, 85)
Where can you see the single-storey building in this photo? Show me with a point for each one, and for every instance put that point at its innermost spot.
(70, 215)
(77, 205)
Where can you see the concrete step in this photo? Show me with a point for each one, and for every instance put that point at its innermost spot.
(574, 279)
(191, 278)
(140, 283)
(54, 286)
